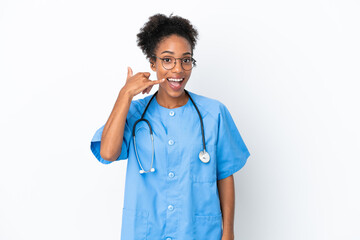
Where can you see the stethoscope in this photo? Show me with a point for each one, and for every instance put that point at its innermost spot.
(203, 155)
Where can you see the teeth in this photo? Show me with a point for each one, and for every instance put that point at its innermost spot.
(175, 79)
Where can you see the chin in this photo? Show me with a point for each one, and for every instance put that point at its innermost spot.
(176, 94)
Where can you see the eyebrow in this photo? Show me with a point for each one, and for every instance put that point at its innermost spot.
(173, 52)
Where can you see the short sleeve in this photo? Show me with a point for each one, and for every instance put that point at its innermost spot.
(231, 152)
(96, 142)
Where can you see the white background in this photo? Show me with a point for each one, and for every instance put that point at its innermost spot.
(288, 71)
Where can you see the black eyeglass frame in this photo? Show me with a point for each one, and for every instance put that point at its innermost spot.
(181, 62)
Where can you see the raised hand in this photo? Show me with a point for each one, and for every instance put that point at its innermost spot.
(139, 82)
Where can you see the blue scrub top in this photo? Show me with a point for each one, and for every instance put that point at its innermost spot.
(180, 199)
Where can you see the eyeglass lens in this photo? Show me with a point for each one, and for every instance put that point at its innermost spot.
(169, 62)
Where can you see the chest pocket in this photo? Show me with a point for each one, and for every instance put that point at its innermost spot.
(203, 172)
(134, 224)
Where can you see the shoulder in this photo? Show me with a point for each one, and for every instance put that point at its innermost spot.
(209, 105)
(137, 106)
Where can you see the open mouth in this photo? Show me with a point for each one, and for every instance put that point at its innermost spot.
(175, 83)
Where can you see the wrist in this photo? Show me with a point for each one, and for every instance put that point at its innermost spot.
(228, 236)
(228, 232)
(126, 93)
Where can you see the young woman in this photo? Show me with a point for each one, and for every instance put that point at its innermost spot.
(183, 150)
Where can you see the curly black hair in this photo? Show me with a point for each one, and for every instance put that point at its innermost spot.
(160, 26)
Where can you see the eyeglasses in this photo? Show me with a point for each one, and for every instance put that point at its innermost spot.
(187, 63)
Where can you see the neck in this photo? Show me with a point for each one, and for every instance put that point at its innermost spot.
(168, 101)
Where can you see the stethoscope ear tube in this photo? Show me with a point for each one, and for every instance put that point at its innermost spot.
(201, 121)
(152, 141)
(151, 136)
(153, 153)
(139, 120)
(203, 155)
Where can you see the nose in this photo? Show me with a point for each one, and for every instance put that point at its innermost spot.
(177, 67)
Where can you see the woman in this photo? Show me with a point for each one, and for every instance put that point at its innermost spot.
(174, 189)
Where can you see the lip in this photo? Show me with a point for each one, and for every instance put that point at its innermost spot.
(175, 87)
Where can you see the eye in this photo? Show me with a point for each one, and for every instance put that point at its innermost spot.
(186, 60)
(167, 60)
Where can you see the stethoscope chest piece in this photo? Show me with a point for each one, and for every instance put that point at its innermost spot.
(204, 156)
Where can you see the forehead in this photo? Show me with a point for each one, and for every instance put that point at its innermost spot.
(173, 43)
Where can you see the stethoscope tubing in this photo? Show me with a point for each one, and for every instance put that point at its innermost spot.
(202, 153)
(201, 120)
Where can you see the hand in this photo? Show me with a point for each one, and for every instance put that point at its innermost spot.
(139, 82)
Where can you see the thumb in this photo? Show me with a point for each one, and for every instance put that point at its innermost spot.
(130, 72)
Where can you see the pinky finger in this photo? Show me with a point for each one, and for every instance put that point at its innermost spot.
(149, 89)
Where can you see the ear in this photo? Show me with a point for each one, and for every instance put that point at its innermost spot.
(152, 65)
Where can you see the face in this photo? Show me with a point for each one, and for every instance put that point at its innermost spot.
(177, 47)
